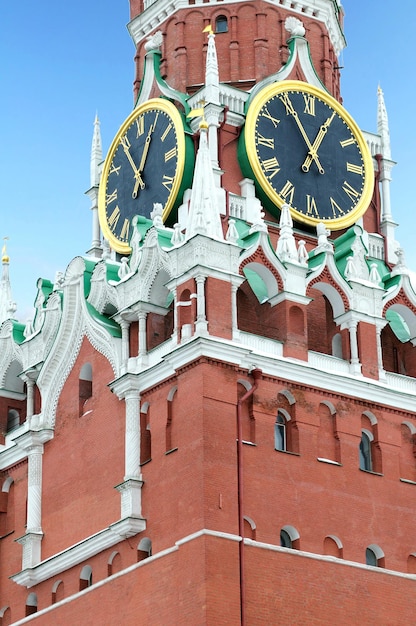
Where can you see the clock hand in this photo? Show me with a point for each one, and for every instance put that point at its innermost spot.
(139, 180)
(313, 152)
(126, 147)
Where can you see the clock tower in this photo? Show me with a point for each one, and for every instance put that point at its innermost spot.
(211, 417)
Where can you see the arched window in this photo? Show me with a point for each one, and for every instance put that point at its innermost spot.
(289, 537)
(57, 591)
(280, 434)
(221, 24)
(407, 452)
(114, 563)
(249, 528)
(85, 386)
(170, 440)
(145, 434)
(144, 549)
(366, 462)
(374, 556)
(85, 578)
(13, 419)
(333, 546)
(5, 616)
(31, 604)
(370, 457)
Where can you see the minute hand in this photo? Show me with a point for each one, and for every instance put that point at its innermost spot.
(312, 154)
(313, 151)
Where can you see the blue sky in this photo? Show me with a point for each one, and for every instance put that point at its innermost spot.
(63, 62)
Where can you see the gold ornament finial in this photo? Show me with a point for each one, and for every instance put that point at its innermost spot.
(208, 29)
(4, 256)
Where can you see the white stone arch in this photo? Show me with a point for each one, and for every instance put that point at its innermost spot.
(7, 484)
(244, 383)
(159, 293)
(11, 380)
(330, 406)
(336, 540)
(76, 323)
(410, 426)
(285, 414)
(171, 393)
(288, 395)
(333, 296)
(268, 278)
(370, 415)
(377, 551)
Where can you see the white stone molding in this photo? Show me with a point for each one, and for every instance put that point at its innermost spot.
(76, 323)
(80, 552)
(157, 12)
(102, 293)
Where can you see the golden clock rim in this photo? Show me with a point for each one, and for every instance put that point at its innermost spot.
(249, 132)
(150, 105)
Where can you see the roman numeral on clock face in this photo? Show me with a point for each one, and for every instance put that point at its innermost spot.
(110, 197)
(311, 208)
(265, 141)
(355, 169)
(113, 218)
(309, 104)
(271, 166)
(170, 154)
(265, 113)
(167, 182)
(352, 193)
(287, 192)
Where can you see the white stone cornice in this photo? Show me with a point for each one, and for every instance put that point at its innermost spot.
(157, 12)
(268, 357)
(79, 552)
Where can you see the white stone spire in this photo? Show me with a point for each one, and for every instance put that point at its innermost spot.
(286, 245)
(212, 80)
(204, 215)
(96, 154)
(387, 225)
(7, 305)
(95, 174)
(383, 125)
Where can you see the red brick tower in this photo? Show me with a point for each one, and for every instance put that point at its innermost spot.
(211, 418)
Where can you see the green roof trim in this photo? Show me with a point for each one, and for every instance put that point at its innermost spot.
(164, 237)
(110, 325)
(89, 265)
(398, 326)
(257, 285)
(315, 260)
(18, 329)
(111, 271)
(45, 288)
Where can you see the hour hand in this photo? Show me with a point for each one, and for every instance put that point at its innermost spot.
(313, 152)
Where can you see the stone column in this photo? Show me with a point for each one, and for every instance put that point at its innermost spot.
(30, 399)
(130, 488)
(355, 364)
(234, 321)
(32, 443)
(125, 352)
(142, 334)
(201, 325)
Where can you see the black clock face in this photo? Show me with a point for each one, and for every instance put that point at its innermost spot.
(306, 151)
(143, 167)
